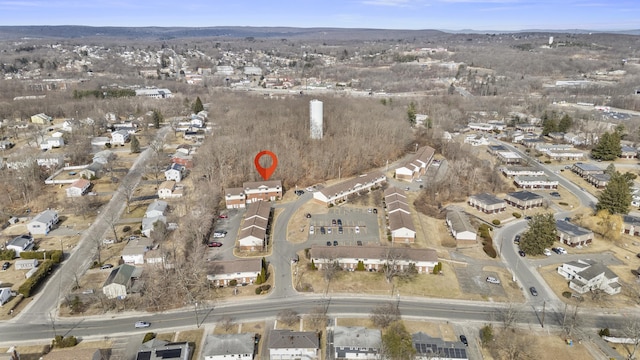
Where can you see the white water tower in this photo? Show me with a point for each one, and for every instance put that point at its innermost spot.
(550, 40)
(315, 118)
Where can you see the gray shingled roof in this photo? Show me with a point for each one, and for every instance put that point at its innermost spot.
(571, 229)
(228, 344)
(120, 275)
(487, 199)
(287, 339)
(371, 252)
(587, 167)
(525, 195)
(631, 220)
(356, 336)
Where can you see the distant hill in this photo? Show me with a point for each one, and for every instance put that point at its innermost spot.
(165, 33)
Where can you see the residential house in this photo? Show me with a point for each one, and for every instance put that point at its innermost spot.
(428, 348)
(374, 258)
(588, 275)
(5, 295)
(556, 135)
(524, 199)
(104, 156)
(235, 198)
(20, 243)
(156, 208)
(562, 155)
(155, 93)
(41, 119)
(356, 342)
(573, 235)
(229, 346)
(119, 137)
(508, 157)
(168, 190)
(487, 203)
(628, 152)
(78, 188)
(400, 222)
(243, 271)
(341, 191)
(579, 139)
(494, 149)
(175, 172)
(476, 140)
(135, 250)
(69, 125)
(532, 143)
(417, 164)
(585, 169)
(76, 353)
(512, 171)
(474, 126)
(43, 222)
(156, 349)
(92, 171)
(100, 141)
(262, 190)
(545, 147)
(49, 160)
(631, 225)
(460, 227)
(599, 180)
(253, 231)
(155, 212)
(25, 264)
(293, 345)
(535, 182)
(119, 281)
(51, 142)
(182, 159)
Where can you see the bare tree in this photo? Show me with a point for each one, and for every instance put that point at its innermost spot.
(318, 318)
(128, 190)
(511, 345)
(631, 329)
(288, 317)
(509, 315)
(227, 323)
(391, 268)
(383, 315)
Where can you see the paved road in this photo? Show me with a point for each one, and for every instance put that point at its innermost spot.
(43, 307)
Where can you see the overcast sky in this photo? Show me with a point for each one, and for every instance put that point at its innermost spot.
(382, 14)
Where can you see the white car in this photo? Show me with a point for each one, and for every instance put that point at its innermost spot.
(311, 230)
(492, 280)
(309, 189)
(562, 251)
(357, 229)
(547, 252)
(142, 324)
(418, 180)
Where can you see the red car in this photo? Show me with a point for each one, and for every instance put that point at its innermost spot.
(223, 216)
(214, 244)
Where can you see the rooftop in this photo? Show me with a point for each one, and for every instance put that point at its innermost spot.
(487, 199)
(571, 229)
(525, 195)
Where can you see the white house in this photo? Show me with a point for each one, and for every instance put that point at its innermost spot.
(293, 345)
(25, 264)
(148, 224)
(243, 271)
(134, 251)
(43, 222)
(49, 143)
(78, 188)
(341, 191)
(156, 208)
(168, 190)
(20, 243)
(358, 343)
(374, 258)
(588, 275)
(5, 295)
(535, 182)
(119, 137)
(174, 172)
(229, 346)
(119, 282)
(460, 226)
(253, 231)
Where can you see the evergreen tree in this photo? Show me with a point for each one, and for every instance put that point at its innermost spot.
(565, 123)
(616, 196)
(411, 113)
(157, 118)
(608, 147)
(549, 125)
(135, 145)
(541, 234)
(397, 342)
(197, 106)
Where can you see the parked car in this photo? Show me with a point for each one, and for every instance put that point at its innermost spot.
(559, 250)
(463, 339)
(328, 243)
(308, 216)
(527, 217)
(299, 192)
(357, 229)
(6, 265)
(333, 221)
(328, 230)
(554, 194)
(359, 242)
(568, 219)
(418, 180)
(219, 234)
(106, 266)
(322, 230)
(339, 222)
(214, 244)
(340, 231)
(492, 280)
(375, 211)
(547, 252)
(522, 253)
(311, 230)
(310, 189)
(516, 240)
(142, 324)
(335, 242)
(533, 291)
(223, 216)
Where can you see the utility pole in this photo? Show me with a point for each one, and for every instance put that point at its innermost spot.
(544, 305)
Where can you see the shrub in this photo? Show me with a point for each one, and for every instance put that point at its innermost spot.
(306, 253)
(43, 270)
(148, 336)
(258, 291)
(517, 215)
(53, 255)
(495, 222)
(312, 266)
(126, 228)
(265, 287)
(233, 282)
(64, 342)
(547, 161)
(7, 254)
(489, 250)
(360, 266)
(604, 332)
(486, 334)
(566, 294)
(563, 203)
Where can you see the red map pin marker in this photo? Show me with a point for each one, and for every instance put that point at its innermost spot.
(266, 172)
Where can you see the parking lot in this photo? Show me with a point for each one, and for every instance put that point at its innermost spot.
(231, 225)
(357, 225)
